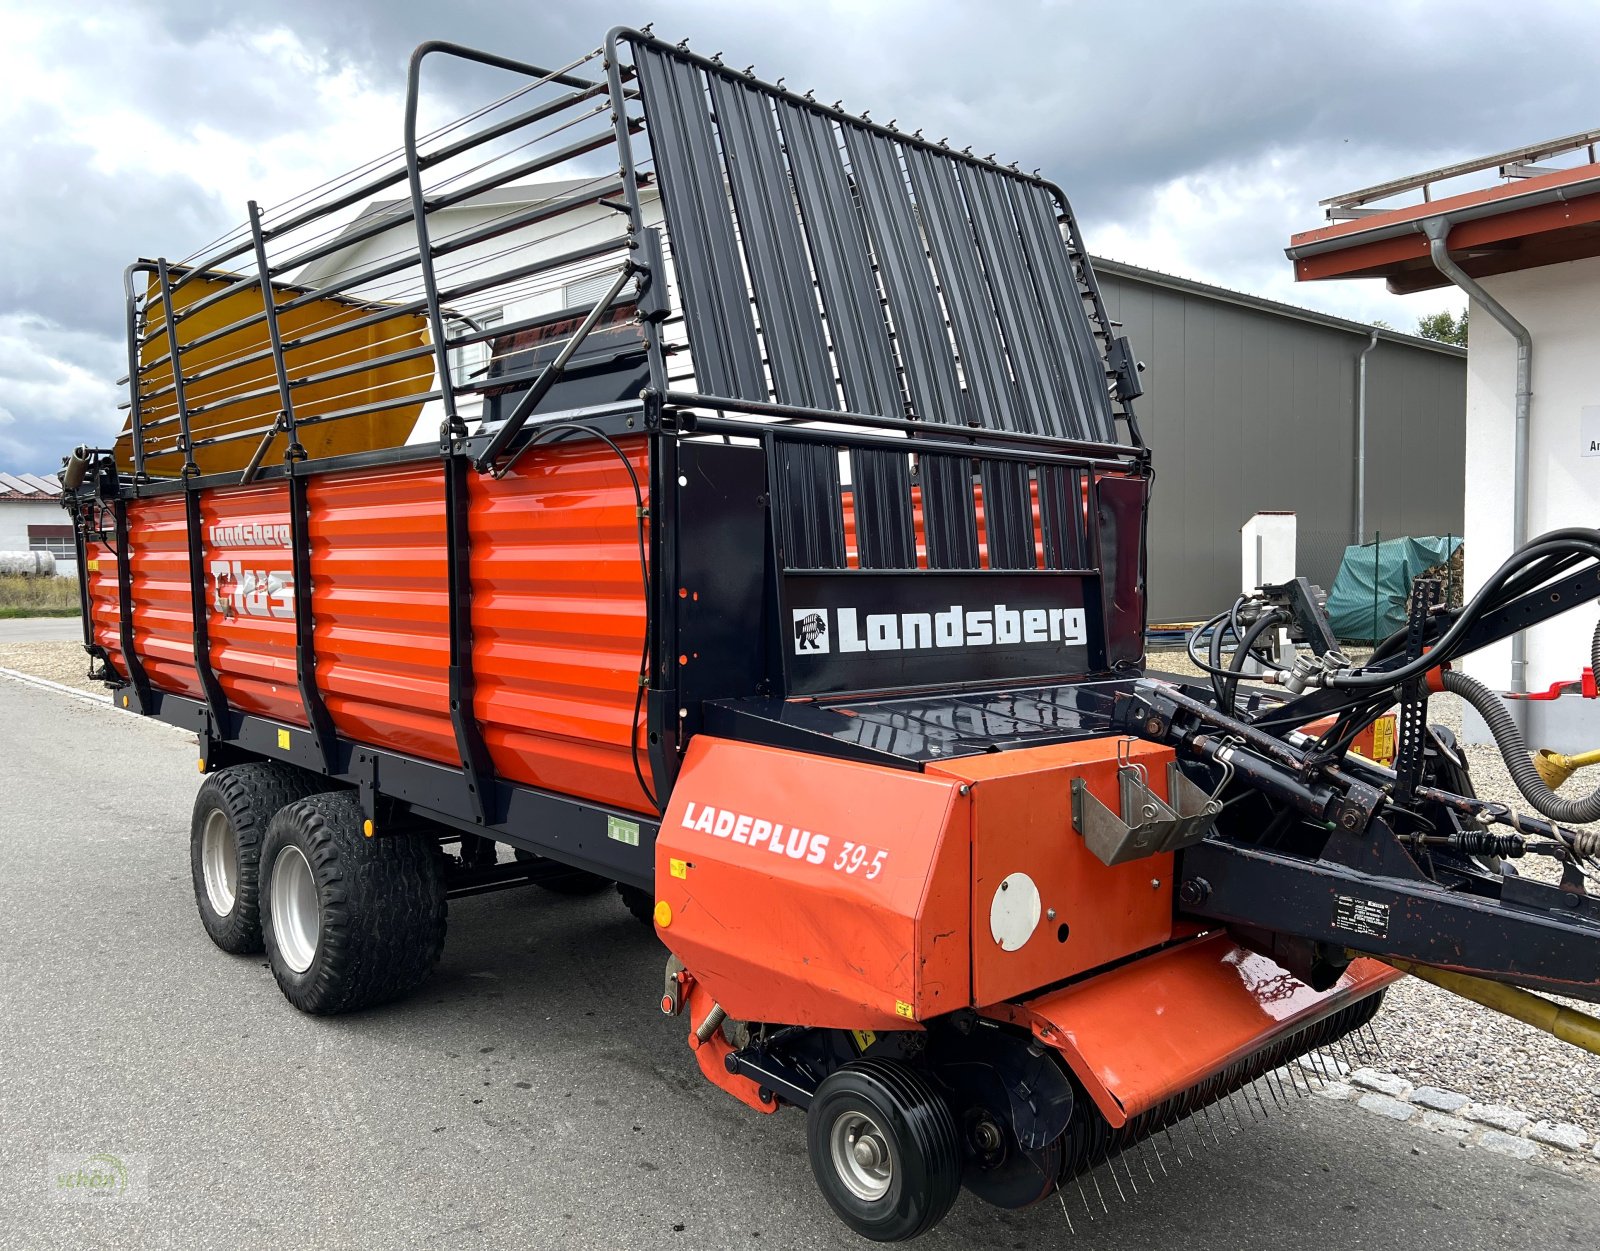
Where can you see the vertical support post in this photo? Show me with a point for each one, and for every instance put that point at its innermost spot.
(173, 356)
(305, 623)
(475, 760)
(269, 308)
(133, 667)
(662, 697)
(1377, 569)
(135, 414)
(216, 700)
(454, 427)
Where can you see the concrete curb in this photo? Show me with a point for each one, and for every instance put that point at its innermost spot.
(99, 701)
(1450, 1114)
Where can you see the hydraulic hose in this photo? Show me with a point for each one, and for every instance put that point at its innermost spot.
(1557, 543)
(1241, 654)
(1514, 748)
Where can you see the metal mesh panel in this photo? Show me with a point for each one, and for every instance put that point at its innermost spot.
(716, 301)
(885, 274)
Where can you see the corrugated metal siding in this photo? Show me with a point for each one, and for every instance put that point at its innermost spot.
(1249, 411)
(557, 610)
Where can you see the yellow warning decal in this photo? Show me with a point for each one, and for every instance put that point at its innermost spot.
(902, 1008)
(94, 565)
(678, 868)
(283, 739)
(1383, 739)
(864, 1038)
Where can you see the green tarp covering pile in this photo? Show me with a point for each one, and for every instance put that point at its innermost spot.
(1368, 599)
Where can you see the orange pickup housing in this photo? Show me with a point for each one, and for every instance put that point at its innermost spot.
(845, 895)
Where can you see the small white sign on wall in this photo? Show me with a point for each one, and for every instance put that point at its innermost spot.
(1589, 430)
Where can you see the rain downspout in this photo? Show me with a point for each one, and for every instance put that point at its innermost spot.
(1361, 438)
(1438, 231)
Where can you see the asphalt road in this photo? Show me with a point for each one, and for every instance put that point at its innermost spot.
(40, 629)
(530, 1096)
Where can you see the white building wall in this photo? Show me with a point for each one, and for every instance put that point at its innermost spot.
(17, 515)
(528, 297)
(1560, 306)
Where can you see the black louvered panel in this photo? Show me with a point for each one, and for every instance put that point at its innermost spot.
(810, 515)
(1008, 514)
(850, 300)
(1042, 406)
(716, 302)
(885, 530)
(966, 293)
(774, 248)
(949, 513)
(1074, 357)
(907, 280)
(1061, 517)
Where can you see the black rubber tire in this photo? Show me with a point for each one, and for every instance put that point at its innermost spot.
(381, 902)
(924, 1145)
(248, 796)
(639, 902)
(574, 882)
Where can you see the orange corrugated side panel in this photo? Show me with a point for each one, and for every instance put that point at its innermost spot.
(558, 614)
(379, 599)
(558, 609)
(163, 622)
(105, 608)
(250, 573)
(558, 618)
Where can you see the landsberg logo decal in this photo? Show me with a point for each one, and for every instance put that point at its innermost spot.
(238, 589)
(818, 630)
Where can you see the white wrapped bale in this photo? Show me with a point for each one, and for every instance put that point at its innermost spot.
(32, 564)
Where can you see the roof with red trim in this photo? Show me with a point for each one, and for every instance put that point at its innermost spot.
(1520, 224)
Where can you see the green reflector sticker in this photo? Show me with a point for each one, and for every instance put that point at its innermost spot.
(623, 830)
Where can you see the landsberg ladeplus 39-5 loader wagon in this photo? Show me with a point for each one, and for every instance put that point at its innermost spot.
(780, 559)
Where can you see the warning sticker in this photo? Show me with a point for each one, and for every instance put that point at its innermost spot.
(1361, 916)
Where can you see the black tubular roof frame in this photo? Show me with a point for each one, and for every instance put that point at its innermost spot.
(919, 283)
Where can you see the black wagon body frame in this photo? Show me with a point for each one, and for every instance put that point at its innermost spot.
(855, 300)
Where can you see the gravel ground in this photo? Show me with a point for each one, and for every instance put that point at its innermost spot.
(1428, 1035)
(1432, 1037)
(60, 662)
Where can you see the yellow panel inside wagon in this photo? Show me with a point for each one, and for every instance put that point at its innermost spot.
(251, 416)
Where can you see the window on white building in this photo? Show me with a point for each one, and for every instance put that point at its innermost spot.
(583, 292)
(468, 361)
(57, 540)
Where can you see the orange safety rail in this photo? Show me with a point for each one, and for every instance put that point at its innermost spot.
(558, 609)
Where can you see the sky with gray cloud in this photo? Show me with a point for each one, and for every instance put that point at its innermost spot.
(1193, 138)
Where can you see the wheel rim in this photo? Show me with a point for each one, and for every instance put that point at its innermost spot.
(296, 912)
(219, 862)
(861, 1155)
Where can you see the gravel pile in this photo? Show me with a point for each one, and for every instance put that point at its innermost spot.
(1428, 1036)
(63, 662)
(1432, 1037)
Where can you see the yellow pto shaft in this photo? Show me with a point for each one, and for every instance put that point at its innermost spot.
(1555, 768)
(1567, 1024)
